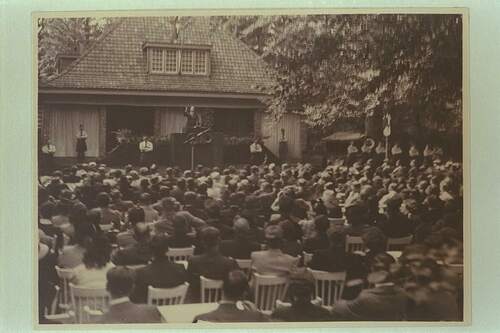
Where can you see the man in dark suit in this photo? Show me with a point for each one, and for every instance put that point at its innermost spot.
(241, 246)
(160, 273)
(119, 285)
(211, 264)
(384, 302)
(232, 307)
(138, 253)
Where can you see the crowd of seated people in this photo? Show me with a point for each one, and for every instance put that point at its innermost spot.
(97, 220)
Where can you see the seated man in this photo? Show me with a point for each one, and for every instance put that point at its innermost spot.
(108, 215)
(211, 264)
(273, 261)
(384, 302)
(301, 309)
(138, 253)
(233, 307)
(126, 238)
(241, 246)
(160, 273)
(150, 214)
(120, 282)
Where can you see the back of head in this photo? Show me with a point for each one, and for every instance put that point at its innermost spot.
(210, 237)
(98, 252)
(145, 199)
(301, 291)
(47, 210)
(159, 246)
(120, 281)
(136, 215)
(103, 200)
(169, 204)
(141, 232)
(374, 239)
(235, 285)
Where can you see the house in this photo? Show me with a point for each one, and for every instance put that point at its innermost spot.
(143, 72)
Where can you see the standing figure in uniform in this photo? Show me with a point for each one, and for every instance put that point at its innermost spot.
(146, 149)
(81, 144)
(256, 152)
(192, 120)
(48, 151)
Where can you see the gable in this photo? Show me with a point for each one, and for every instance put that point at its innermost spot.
(118, 61)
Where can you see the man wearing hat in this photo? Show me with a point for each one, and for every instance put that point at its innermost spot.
(273, 261)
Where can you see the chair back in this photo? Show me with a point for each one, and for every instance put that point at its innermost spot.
(94, 298)
(397, 244)
(167, 296)
(181, 253)
(245, 265)
(354, 243)
(307, 257)
(328, 286)
(269, 289)
(211, 290)
(91, 316)
(65, 275)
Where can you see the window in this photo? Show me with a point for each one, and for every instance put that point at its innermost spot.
(170, 60)
(187, 62)
(176, 60)
(157, 60)
(200, 62)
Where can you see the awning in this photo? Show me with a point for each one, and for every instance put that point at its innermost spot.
(344, 136)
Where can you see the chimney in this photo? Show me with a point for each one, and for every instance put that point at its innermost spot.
(64, 60)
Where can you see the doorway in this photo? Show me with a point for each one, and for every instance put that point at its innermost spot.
(139, 120)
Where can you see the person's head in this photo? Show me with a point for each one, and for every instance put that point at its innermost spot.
(210, 238)
(301, 291)
(103, 200)
(285, 205)
(274, 236)
(136, 215)
(374, 240)
(181, 225)
(159, 246)
(241, 226)
(141, 232)
(380, 268)
(145, 199)
(356, 215)
(120, 281)
(84, 232)
(47, 210)
(169, 205)
(192, 110)
(98, 252)
(235, 286)
(81, 127)
(144, 138)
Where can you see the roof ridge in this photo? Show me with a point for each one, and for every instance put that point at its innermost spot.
(87, 51)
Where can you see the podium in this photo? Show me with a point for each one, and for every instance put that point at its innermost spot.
(208, 154)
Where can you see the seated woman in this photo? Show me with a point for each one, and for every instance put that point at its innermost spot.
(96, 263)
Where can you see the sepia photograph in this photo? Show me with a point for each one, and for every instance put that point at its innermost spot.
(306, 167)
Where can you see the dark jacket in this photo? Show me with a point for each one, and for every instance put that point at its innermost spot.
(211, 266)
(319, 242)
(383, 303)
(228, 312)
(128, 312)
(238, 248)
(395, 225)
(159, 274)
(307, 312)
(135, 254)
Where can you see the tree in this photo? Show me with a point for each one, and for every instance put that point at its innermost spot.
(66, 36)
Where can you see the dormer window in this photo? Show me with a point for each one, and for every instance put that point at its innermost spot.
(178, 59)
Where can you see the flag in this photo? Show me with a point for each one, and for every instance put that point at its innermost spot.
(387, 125)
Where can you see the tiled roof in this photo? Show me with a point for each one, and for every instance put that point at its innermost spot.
(117, 61)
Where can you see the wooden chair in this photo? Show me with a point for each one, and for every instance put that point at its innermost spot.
(269, 289)
(94, 298)
(91, 316)
(180, 254)
(245, 265)
(211, 290)
(397, 244)
(63, 318)
(353, 244)
(167, 296)
(328, 286)
(307, 257)
(65, 275)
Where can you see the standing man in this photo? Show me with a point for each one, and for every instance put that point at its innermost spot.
(192, 120)
(48, 151)
(256, 152)
(81, 144)
(146, 149)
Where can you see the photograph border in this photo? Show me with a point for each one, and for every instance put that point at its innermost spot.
(466, 160)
